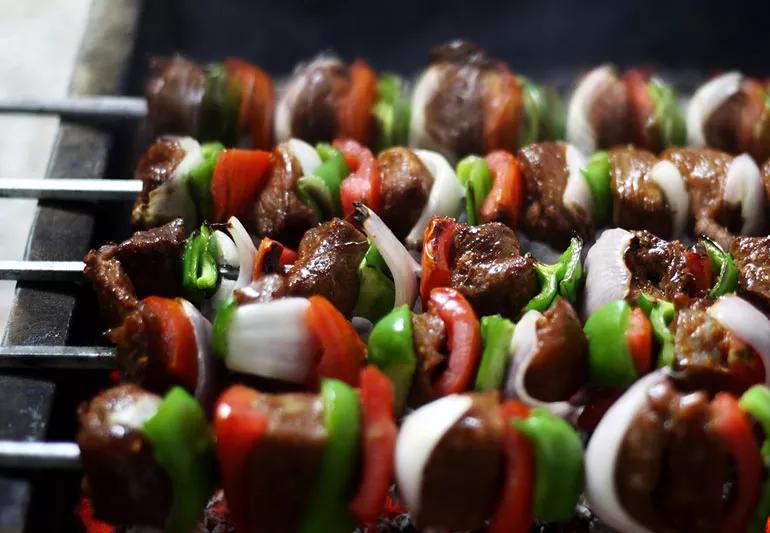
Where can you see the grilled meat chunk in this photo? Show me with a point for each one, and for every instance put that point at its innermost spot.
(174, 93)
(430, 343)
(113, 287)
(314, 116)
(405, 185)
(267, 288)
(610, 115)
(752, 258)
(658, 267)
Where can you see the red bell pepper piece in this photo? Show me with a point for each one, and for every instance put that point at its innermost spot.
(502, 111)
(505, 200)
(363, 182)
(700, 266)
(436, 258)
(270, 256)
(355, 111)
(744, 372)
(514, 512)
(641, 105)
(238, 178)
(85, 512)
(599, 402)
(342, 350)
(734, 430)
(639, 339)
(172, 338)
(378, 436)
(238, 427)
(257, 96)
(463, 339)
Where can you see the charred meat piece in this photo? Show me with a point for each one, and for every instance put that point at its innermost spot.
(174, 93)
(752, 257)
(121, 476)
(658, 267)
(314, 115)
(725, 121)
(546, 218)
(671, 466)
(638, 202)
(267, 288)
(559, 364)
(278, 212)
(705, 171)
(113, 287)
(429, 342)
(405, 185)
(327, 264)
(463, 475)
(489, 270)
(610, 115)
(278, 482)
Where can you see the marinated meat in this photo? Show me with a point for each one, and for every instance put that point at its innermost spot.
(704, 171)
(122, 478)
(174, 93)
(156, 166)
(559, 365)
(638, 202)
(723, 126)
(267, 288)
(405, 186)
(113, 287)
(429, 344)
(277, 483)
(658, 267)
(216, 516)
(671, 466)
(464, 473)
(278, 212)
(314, 116)
(546, 218)
(327, 264)
(490, 271)
(610, 115)
(752, 258)
(705, 352)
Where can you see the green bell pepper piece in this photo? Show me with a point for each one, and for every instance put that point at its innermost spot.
(392, 112)
(660, 313)
(756, 402)
(558, 464)
(391, 349)
(609, 359)
(553, 126)
(327, 509)
(562, 278)
(473, 172)
(200, 272)
(199, 179)
(721, 262)
(496, 333)
(572, 277)
(376, 291)
(668, 113)
(548, 278)
(597, 173)
(321, 190)
(221, 327)
(314, 193)
(183, 445)
(535, 110)
(219, 107)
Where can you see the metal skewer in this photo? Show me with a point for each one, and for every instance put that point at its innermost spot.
(37, 455)
(70, 188)
(58, 271)
(58, 357)
(94, 109)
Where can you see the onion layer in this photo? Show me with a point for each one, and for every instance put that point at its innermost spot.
(206, 383)
(580, 131)
(308, 158)
(607, 276)
(420, 433)
(228, 252)
(670, 180)
(424, 90)
(747, 322)
(577, 194)
(705, 100)
(134, 414)
(743, 185)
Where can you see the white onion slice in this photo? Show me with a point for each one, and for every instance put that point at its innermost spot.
(426, 87)
(743, 185)
(705, 100)
(272, 340)
(247, 252)
(602, 456)
(607, 276)
(523, 345)
(747, 322)
(446, 196)
(308, 158)
(670, 180)
(204, 386)
(419, 434)
(227, 251)
(402, 265)
(283, 110)
(580, 131)
(134, 414)
(193, 156)
(577, 195)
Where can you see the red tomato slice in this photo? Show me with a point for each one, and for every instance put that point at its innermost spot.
(238, 178)
(700, 266)
(734, 430)
(379, 444)
(463, 339)
(503, 112)
(238, 427)
(641, 106)
(257, 98)
(436, 256)
(355, 112)
(639, 339)
(342, 350)
(363, 182)
(172, 339)
(505, 200)
(514, 511)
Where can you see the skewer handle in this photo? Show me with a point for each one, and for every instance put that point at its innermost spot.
(70, 188)
(83, 109)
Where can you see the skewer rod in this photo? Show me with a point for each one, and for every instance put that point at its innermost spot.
(57, 357)
(85, 108)
(70, 188)
(39, 455)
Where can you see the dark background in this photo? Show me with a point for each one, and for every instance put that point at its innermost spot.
(537, 38)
